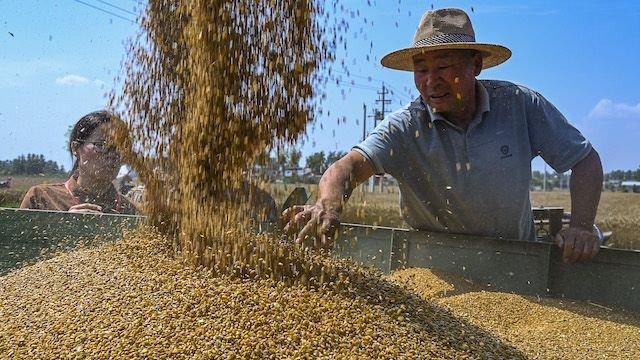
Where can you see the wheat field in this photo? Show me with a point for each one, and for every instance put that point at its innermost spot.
(618, 212)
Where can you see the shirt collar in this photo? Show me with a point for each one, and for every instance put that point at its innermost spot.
(483, 105)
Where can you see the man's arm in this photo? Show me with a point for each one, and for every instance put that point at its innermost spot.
(336, 185)
(578, 241)
(338, 182)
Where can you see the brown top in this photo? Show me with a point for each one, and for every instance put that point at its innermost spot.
(62, 196)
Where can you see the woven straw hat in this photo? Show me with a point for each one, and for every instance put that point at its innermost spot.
(445, 29)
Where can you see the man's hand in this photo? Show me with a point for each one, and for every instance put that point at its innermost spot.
(578, 244)
(312, 221)
(86, 208)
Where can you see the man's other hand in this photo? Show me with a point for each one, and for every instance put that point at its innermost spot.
(577, 244)
(312, 221)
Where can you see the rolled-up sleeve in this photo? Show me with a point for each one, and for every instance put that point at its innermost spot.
(559, 143)
(382, 144)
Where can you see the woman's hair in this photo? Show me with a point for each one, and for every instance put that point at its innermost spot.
(86, 126)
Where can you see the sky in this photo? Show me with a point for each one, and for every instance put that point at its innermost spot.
(58, 59)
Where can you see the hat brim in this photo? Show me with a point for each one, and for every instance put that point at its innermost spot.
(402, 59)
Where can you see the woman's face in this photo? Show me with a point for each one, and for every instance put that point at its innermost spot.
(96, 157)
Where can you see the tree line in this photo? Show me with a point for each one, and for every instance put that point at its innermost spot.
(31, 164)
(318, 162)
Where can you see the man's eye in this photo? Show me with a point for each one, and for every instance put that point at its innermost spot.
(444, 67)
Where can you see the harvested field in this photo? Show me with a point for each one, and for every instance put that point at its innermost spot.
(618, 212)
(12, 196)
(540, 328)
(132, 299)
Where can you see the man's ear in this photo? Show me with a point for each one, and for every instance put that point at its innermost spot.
(477, 63)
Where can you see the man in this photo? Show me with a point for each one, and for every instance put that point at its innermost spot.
(462, 151)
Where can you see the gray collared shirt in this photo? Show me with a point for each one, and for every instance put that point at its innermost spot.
(474, 181)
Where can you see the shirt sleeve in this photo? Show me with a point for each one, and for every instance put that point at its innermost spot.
(559, 143)
(383, 144)
(30, 199)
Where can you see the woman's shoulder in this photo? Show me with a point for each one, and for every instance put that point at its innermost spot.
(57, 188)
(46, 197)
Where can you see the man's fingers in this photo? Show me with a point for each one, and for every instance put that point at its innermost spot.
(327, 232)
(295, 217)
(302, 217)
(291, 211)
(587, 251)
(579, 249)
(306, 230)
(569, 245)
(591, 248)
(595, 248)
(559, 240)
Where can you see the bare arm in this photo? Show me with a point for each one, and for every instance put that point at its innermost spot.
(336, 185)
(585, 187)
(338, 182)
(578, 241)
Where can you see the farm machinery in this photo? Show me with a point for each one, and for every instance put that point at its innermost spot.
(611, 279)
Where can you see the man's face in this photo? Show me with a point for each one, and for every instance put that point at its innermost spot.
(446, 78)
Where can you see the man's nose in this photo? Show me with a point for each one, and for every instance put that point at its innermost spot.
(432, 78)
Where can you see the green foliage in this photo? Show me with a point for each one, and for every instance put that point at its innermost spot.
(623, 175)
(334, 156)
(31, 164)
(293, 157)
(316, 162)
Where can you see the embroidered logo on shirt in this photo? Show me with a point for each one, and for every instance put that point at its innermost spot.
(504, 149)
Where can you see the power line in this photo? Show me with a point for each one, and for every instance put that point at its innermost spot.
(104, 11)
(354, 85)
(117, 7)
(407, 96)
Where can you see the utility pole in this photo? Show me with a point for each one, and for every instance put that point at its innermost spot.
(544, 178)
(382, 101)
(379, 116)
(364, 121)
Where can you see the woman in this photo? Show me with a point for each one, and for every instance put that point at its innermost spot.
(90, 187)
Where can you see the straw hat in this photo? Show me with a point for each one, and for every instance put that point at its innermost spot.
(445, 29)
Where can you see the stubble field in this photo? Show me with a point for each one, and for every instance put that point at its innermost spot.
(618, 212)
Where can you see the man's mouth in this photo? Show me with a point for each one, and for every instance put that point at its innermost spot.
(438, 96)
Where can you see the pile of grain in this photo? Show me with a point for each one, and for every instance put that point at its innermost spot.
(210, 87)
(540, 328)
(132, 299)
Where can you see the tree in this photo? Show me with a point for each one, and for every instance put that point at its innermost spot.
(293, 157)
(316, 162)
(334, 156)
(30, 164)
(281, 158)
